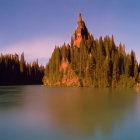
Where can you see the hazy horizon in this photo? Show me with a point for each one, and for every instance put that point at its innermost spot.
(35, 27)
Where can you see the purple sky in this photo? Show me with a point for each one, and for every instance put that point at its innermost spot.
(36, 26)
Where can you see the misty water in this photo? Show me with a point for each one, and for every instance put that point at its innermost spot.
(48, 113)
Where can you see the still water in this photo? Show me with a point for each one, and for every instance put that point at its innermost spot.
(45, 113)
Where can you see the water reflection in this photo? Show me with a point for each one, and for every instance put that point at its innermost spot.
(84, 111)
(11, 96)
(28, 112)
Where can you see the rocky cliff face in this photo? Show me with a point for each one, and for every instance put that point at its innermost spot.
(81, 32)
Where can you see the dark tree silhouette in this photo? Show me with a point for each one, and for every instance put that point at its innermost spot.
(17, 72)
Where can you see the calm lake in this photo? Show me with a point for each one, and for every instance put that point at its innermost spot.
(45, 113)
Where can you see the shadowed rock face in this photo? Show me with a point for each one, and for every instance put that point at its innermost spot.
(81, 32)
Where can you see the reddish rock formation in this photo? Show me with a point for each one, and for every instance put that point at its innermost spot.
(64, 65)
(81, 32)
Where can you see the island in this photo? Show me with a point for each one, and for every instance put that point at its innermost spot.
(89, 62)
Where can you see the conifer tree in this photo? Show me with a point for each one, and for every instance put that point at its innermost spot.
(115, 76)
(22, 63)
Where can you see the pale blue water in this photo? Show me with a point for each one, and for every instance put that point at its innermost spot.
(41, 113)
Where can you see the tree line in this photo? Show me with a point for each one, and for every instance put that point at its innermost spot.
(15, 71)
(97, 63)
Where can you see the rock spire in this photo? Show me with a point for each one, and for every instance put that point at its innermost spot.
(81, 32)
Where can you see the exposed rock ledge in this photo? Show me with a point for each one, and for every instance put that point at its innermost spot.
(138, 86)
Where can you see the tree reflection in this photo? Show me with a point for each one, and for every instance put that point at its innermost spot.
(11, 96)
(84, 111)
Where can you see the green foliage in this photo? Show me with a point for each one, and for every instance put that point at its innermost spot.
(115, 76)
(97, 63)
(125, 81)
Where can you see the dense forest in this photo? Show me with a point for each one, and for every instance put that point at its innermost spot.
(15, 71)
(91, 62)
(86, 62)
(96, 63)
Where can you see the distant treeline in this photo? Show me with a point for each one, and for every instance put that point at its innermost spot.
(96, 63)
(15, 71)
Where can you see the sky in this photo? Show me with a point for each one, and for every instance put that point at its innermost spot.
(36, 26)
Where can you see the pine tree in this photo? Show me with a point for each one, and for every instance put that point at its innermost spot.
(107, 73)
(22, 63)
(136, 71)
(128, 66)
(115, 77)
